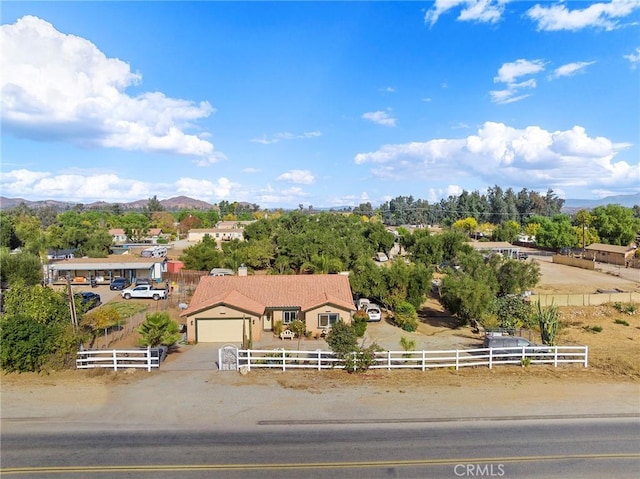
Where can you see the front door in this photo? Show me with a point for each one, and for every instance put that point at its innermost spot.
(267, 321)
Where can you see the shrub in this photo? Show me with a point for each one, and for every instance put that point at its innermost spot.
(406, 316)
(277, 328)
(548, 321)
(621, 321)
(362, 358)
(360, 319)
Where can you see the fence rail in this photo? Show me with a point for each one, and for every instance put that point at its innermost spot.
(119, 359)
(423, 360)
(594, 299)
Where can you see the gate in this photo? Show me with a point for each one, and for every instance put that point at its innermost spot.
(228, 358)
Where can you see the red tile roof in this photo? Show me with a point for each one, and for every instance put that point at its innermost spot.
(254, 294)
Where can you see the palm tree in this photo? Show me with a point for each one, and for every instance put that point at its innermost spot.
(158, 329)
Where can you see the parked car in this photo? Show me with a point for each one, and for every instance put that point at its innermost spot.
(88, 300)
(503, 341)
(141, 281)
(382, 257)
(373, 310)
(118, 284)
(362, 303)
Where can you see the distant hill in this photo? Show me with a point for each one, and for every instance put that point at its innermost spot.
(628, 201)
(170, 204)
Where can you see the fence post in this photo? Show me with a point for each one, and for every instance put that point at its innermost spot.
(115, 359)
(388, 360)
(149, 359)
(457, 359)
(284, 360)
(490, 358)
(355, 358)
(248, 360)
(319, 351)
(555, 356)
(586, 354)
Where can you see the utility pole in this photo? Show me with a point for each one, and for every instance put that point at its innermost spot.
(72, 305)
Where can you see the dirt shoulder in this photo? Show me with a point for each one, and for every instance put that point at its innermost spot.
(204, 399)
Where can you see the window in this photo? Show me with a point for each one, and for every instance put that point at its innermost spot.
(289, 316)
(327, 319)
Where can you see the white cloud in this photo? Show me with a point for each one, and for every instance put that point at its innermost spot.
(221, 189)
(265, 140)
(634, 58)
(86, 186)
(570, 69)
(302, 177)
(509, 73)
(380, 118)
(73, 187)
(597, 15)
(59, 87)
(498, 154)
(250, 170)
(483, 11)
(215, 157)
(276, 196)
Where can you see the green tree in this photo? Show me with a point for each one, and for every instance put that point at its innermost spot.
(556, 233)
(29, 231)
(203, 256)
(158, 329)
(342, 339)
(513, 311)
(26, 344)
(359, 323)
(507, 231)
(299, 328)
(36, 331)
(466, 297)
(20, 267)
(616, 224)
(516, 276)
(97, 320)
(8, 238)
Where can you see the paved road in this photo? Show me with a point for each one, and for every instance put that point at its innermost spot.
(593, 448)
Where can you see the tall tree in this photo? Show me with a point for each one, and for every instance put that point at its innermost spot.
(616, 224)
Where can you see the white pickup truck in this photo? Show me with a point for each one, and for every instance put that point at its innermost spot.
(144, 291)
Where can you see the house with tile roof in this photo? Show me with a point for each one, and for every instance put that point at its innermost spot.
(232, 309)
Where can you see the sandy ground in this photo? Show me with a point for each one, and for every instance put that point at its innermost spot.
(204, 398)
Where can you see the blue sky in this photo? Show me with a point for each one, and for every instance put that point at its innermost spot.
(318, 103)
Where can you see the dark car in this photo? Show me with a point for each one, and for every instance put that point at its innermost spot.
(118, 284)
(141, 281)
(495, 341)
(88, 300)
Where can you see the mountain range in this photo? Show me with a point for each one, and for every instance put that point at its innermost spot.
(184, 202)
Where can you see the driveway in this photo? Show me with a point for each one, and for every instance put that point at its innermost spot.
(193, 357)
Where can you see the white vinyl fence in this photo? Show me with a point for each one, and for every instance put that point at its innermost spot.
(423, 360)
(119, 359)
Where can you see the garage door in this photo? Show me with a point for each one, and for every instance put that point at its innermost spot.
(219, 330)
